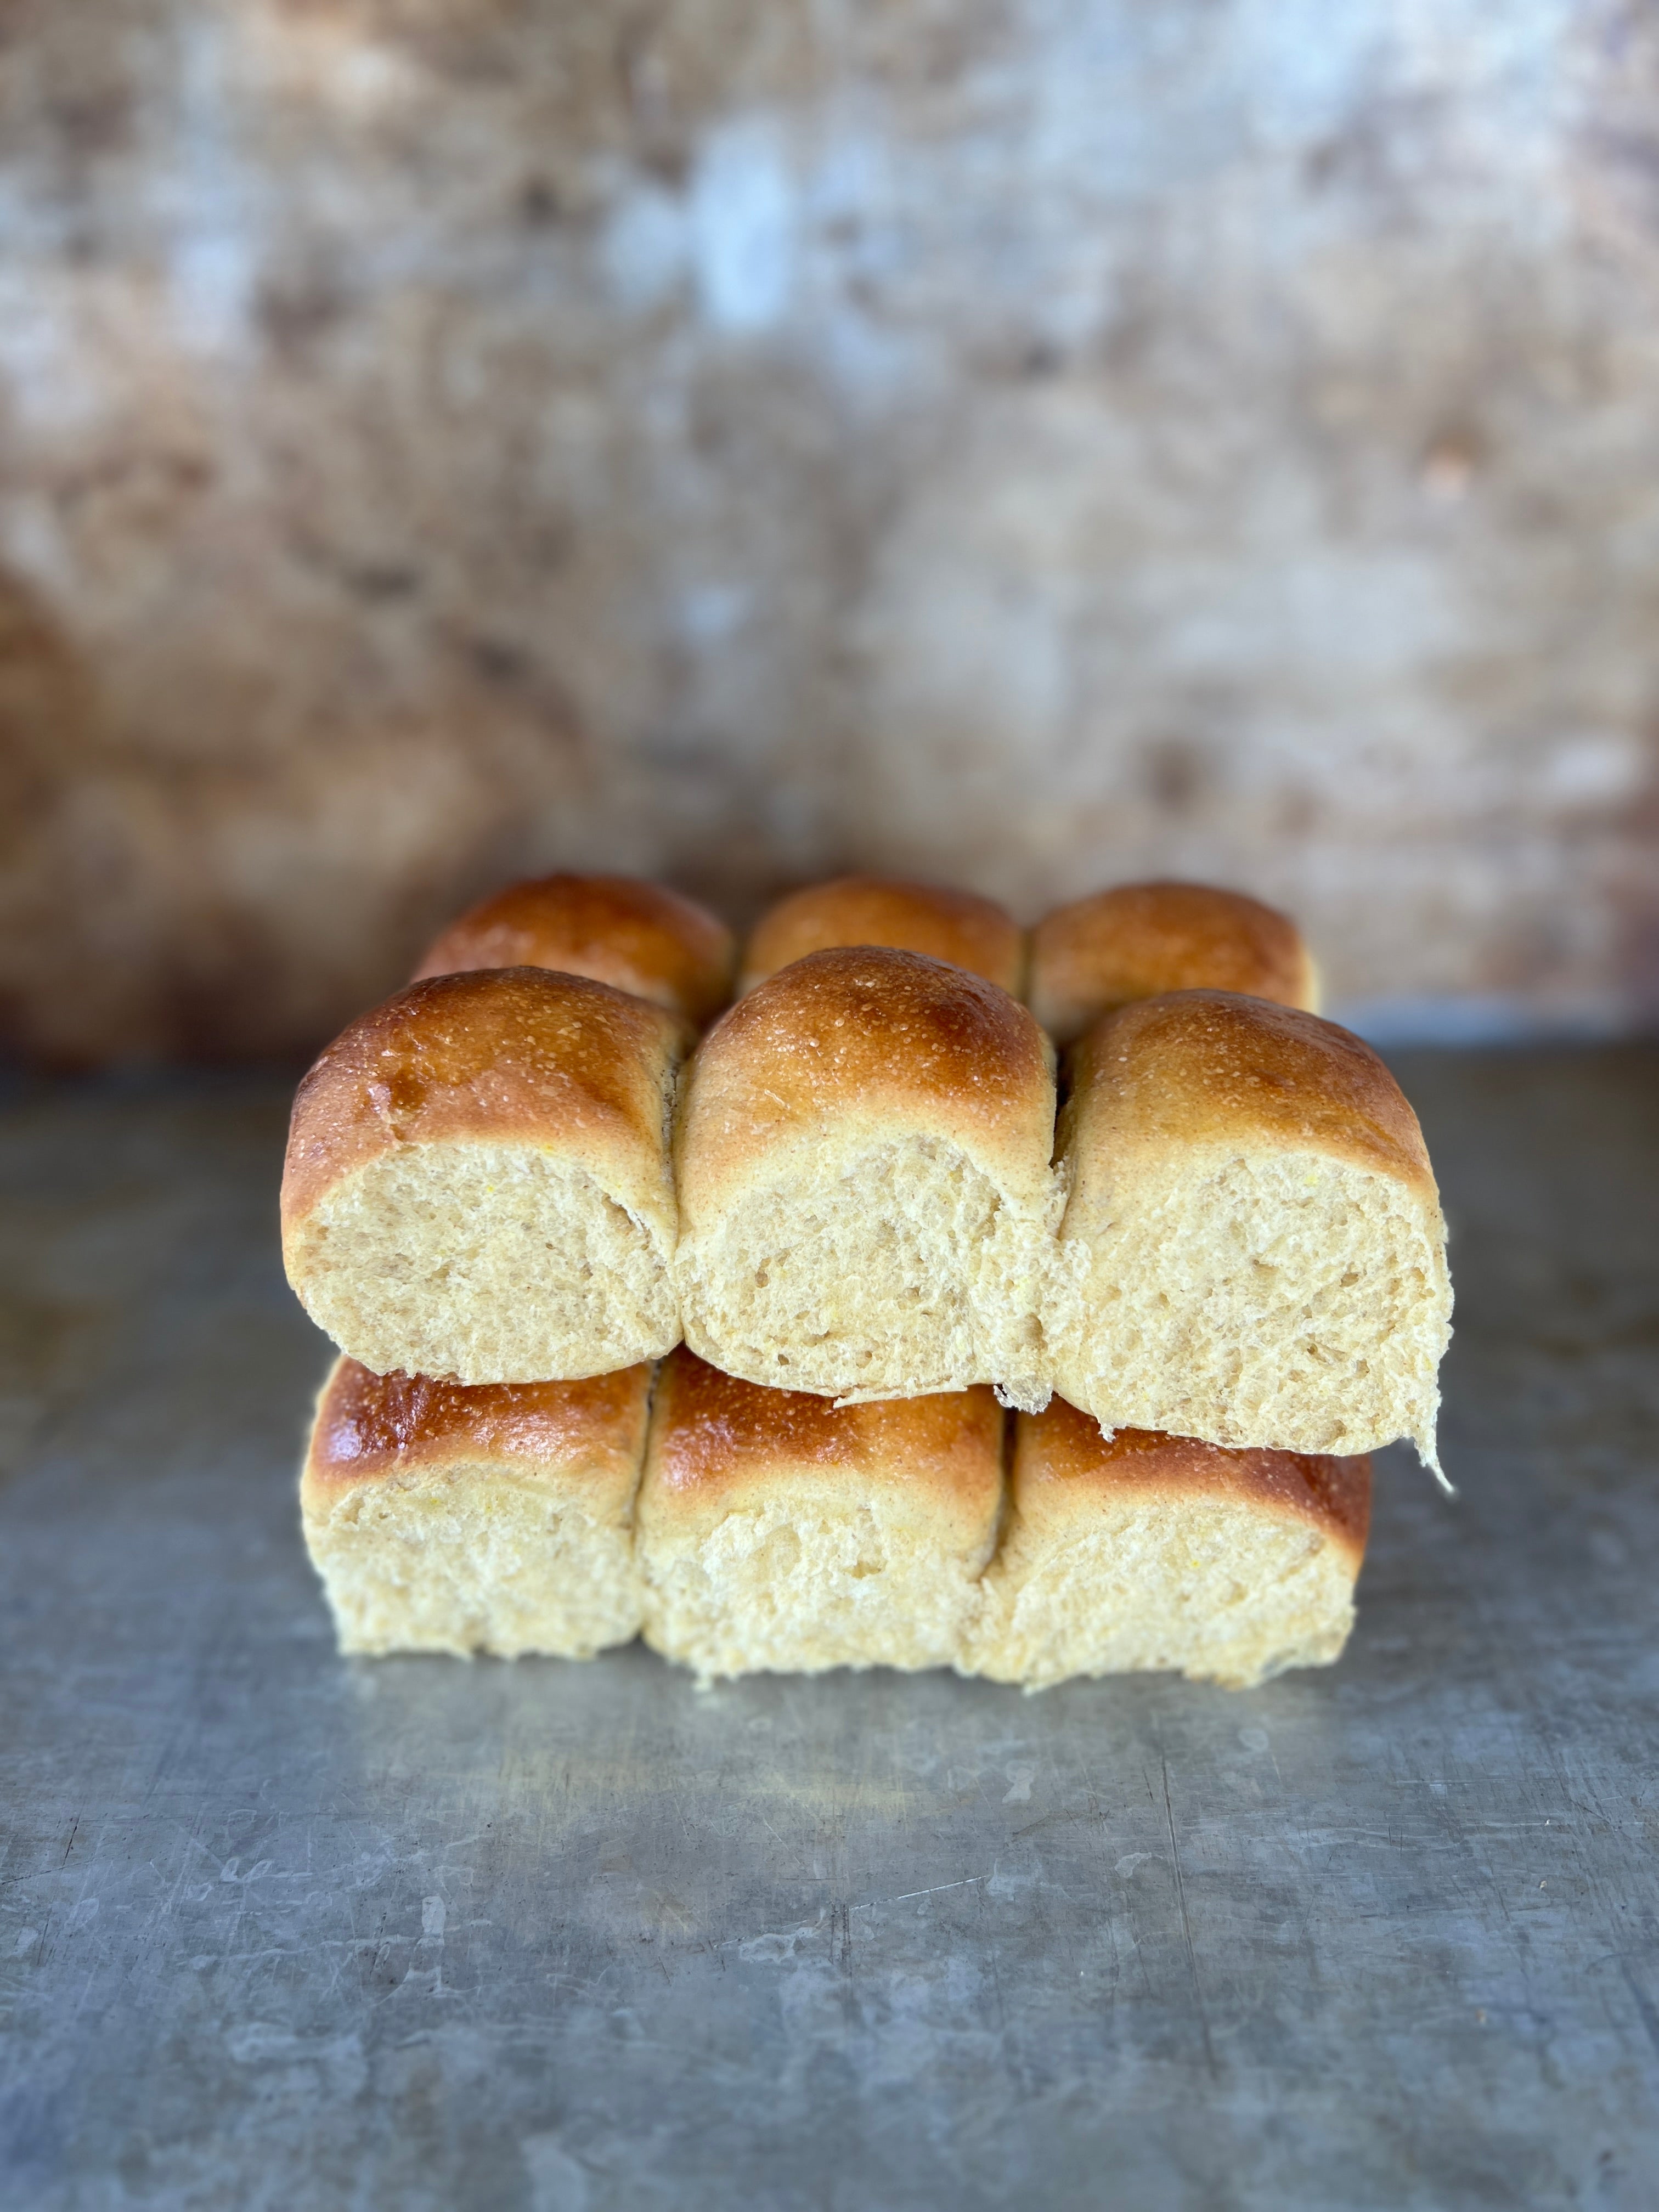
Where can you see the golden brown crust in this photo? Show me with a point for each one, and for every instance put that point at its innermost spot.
(711, 1434)
(505, 1055)
(636, 936)
(1140, 940)
(371, 1426)
(1200, 1068)
(1060, 1452)
(891, 1037)
(957, 926)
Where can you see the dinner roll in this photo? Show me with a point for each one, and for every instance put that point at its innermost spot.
(636, 936)
(1157, 1552)
(867, 1204)
(1252, 1250)
(493, 1519)
(478, 1184)
(779, 1533)
(970, 933)
(1144, 938)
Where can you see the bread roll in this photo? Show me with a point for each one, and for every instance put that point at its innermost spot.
(779, 1533)
(867, 1204)
(1252, 1250)
(636, 936)
(496, 1519)
(1156, 1552)
(479, 1185)
(1141, 939)
(970, 933)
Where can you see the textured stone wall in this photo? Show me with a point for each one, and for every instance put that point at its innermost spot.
(1029, 441)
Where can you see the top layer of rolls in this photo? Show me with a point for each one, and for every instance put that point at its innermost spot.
(639, 937)
(957, 927)
(856, 1189)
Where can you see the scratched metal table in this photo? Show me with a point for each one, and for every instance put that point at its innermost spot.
(282, 1931)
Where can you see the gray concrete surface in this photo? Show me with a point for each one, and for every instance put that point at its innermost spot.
(279, 1931)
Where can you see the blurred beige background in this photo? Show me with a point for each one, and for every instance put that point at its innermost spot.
(1035, 443)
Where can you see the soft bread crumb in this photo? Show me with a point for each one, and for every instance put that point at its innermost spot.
(1293, 1301)
(1217, 1592)
(863, 1156)
(485, 1262)
(1252, 1250)
(778, 1533)
(473, 1559)
(477, 1182)
(1144, 1552)
(497, 1518)
(803, 1582)
(898, 1271)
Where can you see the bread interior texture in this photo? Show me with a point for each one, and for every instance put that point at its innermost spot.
(473, 1559)
(894, 1271)
(484, 1263)
(1291, 1300)
(805, 1577)
(1218, 1591)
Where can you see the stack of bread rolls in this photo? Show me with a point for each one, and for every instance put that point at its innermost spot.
(1022, 1302)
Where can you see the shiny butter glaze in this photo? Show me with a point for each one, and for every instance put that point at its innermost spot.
(371, 1424)
(1061, 1450)
(710, 1431)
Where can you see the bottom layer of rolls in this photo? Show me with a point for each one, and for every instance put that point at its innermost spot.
(742, 1530)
